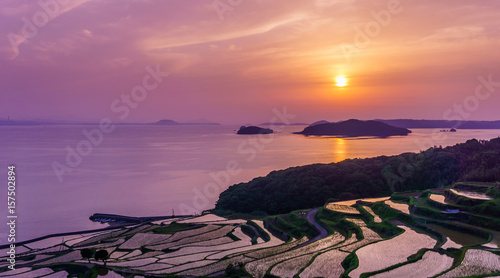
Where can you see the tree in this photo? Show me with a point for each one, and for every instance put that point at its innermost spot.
(87, 253)
(101, 255)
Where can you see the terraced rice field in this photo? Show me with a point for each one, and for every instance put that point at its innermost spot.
(475, 262)
(51, 241)
(209, 244)
(246, 246)
(259, 267)
(451, 244)
(215, 267)
(342, 209)
(376, 218)
(385, 253)
(183, 267)
(266, 252)
(203, 219)
(438, 198)
(132, 254)
(192, 232)
(357, 222)
(187, 258)
(140, 262)
(289, 268)
(369, 237)
(141, 239)
(210, 219)
(471, 194)
(214, 234)
(404, 208)
(346, 206)
(199, 249)
(431, 264)
(367, 200)
(326, 264)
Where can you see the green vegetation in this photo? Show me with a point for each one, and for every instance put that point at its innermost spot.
(292, 225)
(233, 237)
(385, 229)
(312, 185)
(493, 192)
(350, 263)
(485, 214)
(263, 234)
(335, 221)
(249, 232)
(413, 258)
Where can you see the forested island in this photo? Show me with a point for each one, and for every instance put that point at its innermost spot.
(353, 128)
(246, 130)
(171, 122)
(313, 185)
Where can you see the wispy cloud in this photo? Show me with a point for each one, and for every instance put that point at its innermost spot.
(272, 51)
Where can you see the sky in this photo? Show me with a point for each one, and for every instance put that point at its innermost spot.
(234, 61)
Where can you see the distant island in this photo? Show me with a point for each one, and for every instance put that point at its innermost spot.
(254, 130)
(410, 123)
(20, 122)
(8, 122)
(281, 124)
(171, 122)
(353, 128)
(166, 122)
(402, 123)
(319, 123)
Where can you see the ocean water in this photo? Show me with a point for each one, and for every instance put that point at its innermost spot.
(152, 170)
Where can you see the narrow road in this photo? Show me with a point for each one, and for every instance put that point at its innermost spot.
(322, 231)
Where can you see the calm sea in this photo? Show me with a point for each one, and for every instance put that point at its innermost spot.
(152, 170)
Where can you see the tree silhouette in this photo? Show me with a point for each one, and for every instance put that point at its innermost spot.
(101, 255)
(87, 253)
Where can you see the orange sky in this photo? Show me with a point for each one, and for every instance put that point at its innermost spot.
(234, 61)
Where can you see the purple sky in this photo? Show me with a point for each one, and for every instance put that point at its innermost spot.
(258, 55)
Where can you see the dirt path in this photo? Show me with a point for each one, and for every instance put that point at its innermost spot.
(322, 231)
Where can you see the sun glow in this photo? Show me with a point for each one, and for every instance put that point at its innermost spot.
(341, 81)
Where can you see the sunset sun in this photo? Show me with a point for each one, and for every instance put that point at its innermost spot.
(341, 81)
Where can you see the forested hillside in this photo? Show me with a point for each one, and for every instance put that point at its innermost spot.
(312, 185)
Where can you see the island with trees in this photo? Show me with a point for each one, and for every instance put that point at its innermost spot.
(354, 128)
(254, 130)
